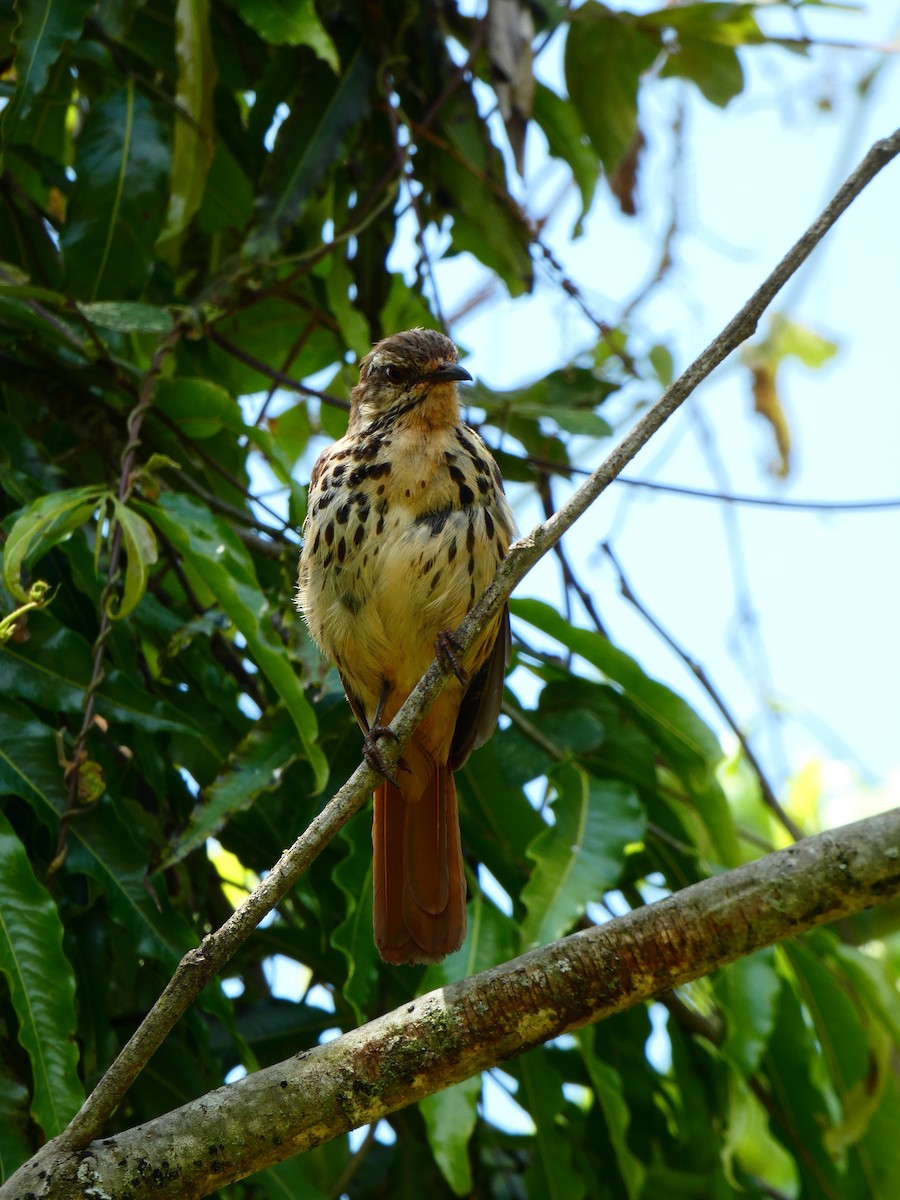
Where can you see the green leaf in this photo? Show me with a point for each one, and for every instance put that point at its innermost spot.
(53, 668)
(552, 1174)
(226, 568)
(353, 937)
(450, 1117)
(228, 199)
(606, 54)
(29, 764)
(41, 985)
(256, 766)
(122, 162)
(44, 524)
(296, 24)
(43, 30)
(310, 143)
(195, 134)
(714, 68)
(103, 846)
(139, 543)
(610, 1096)
(127, 316)
(747, 992)
(688, 744)
(15, 1145)
(567, 140)
(580, 856)
(198, 408)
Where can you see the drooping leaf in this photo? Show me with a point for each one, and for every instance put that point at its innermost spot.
(122, 163)
(606, 54)
(714, 68)
(226, 568)
(257, 765)
(41, 985)
(45, 523)
(194, 137)
(609, 1095)
(309, 145)
(687, 742)
(354, 937)
(198, 408)
(567, 140)
(139, 544)
(580, 856)
(29, 763)
(552, 1174)
(450, 1117)
(747, 992)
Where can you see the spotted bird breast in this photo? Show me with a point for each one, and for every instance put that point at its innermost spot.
(405, 530)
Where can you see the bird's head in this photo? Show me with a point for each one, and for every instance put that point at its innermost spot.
(414, 373)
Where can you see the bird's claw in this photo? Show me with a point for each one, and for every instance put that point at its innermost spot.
(447, 646)
(372, 754)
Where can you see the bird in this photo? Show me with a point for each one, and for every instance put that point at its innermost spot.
(407, 522)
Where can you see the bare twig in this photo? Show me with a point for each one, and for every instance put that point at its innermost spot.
(199, 966)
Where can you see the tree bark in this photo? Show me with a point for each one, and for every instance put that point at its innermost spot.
(448, 1035)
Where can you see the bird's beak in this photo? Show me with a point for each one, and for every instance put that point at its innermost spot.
(446, 372)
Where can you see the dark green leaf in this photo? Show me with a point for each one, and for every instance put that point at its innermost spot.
(122, 165)
(15, 1145)
(139, 544)
(715, 69)
(747, 992)
(44, 28)
(353, 937)
(222, 562)
(609, 1094)
(29, 762)
(310, 144)
(41, 985)
(552, 1174)
(199, 409)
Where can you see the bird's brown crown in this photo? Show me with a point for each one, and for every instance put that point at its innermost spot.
(404, 371)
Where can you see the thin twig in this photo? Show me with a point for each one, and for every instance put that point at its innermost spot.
(569, 578)
(279, 377)
(199, 966)
(73, 772)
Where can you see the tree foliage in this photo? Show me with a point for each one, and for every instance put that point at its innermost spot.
(203, 208)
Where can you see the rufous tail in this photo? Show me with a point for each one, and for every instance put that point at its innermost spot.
(419, 908)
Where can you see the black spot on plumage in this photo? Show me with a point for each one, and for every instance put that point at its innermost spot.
(483, 485)
(435, 580)
(359, 535)
(341, 550)
(363, 513)
(379, 528)
(466, 495)
(435, 520)
(315, 545)
(456, 473)
(488, 524)
(471, 565)
(470, 536)
(329, 559)
(339, 473)
(329, 533)
(351, 602)
(342, 516)
(376, 470)
(451, 551)
(472, 593)
(426, 567)
(481, 465)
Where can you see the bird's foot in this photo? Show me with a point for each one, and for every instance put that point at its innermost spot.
(372, 752)
(447, 647)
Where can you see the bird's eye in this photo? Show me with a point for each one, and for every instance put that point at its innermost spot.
(393, 373)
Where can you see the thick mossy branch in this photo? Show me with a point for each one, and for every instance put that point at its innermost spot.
(458, 1031)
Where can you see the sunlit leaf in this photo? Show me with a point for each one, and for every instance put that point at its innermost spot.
(295, 24)
(747, 992)
(48, 521)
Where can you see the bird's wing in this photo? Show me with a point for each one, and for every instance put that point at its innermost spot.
(482, 700)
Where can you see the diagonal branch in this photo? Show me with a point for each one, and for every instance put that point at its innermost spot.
(199, 966)
(453, 1033)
